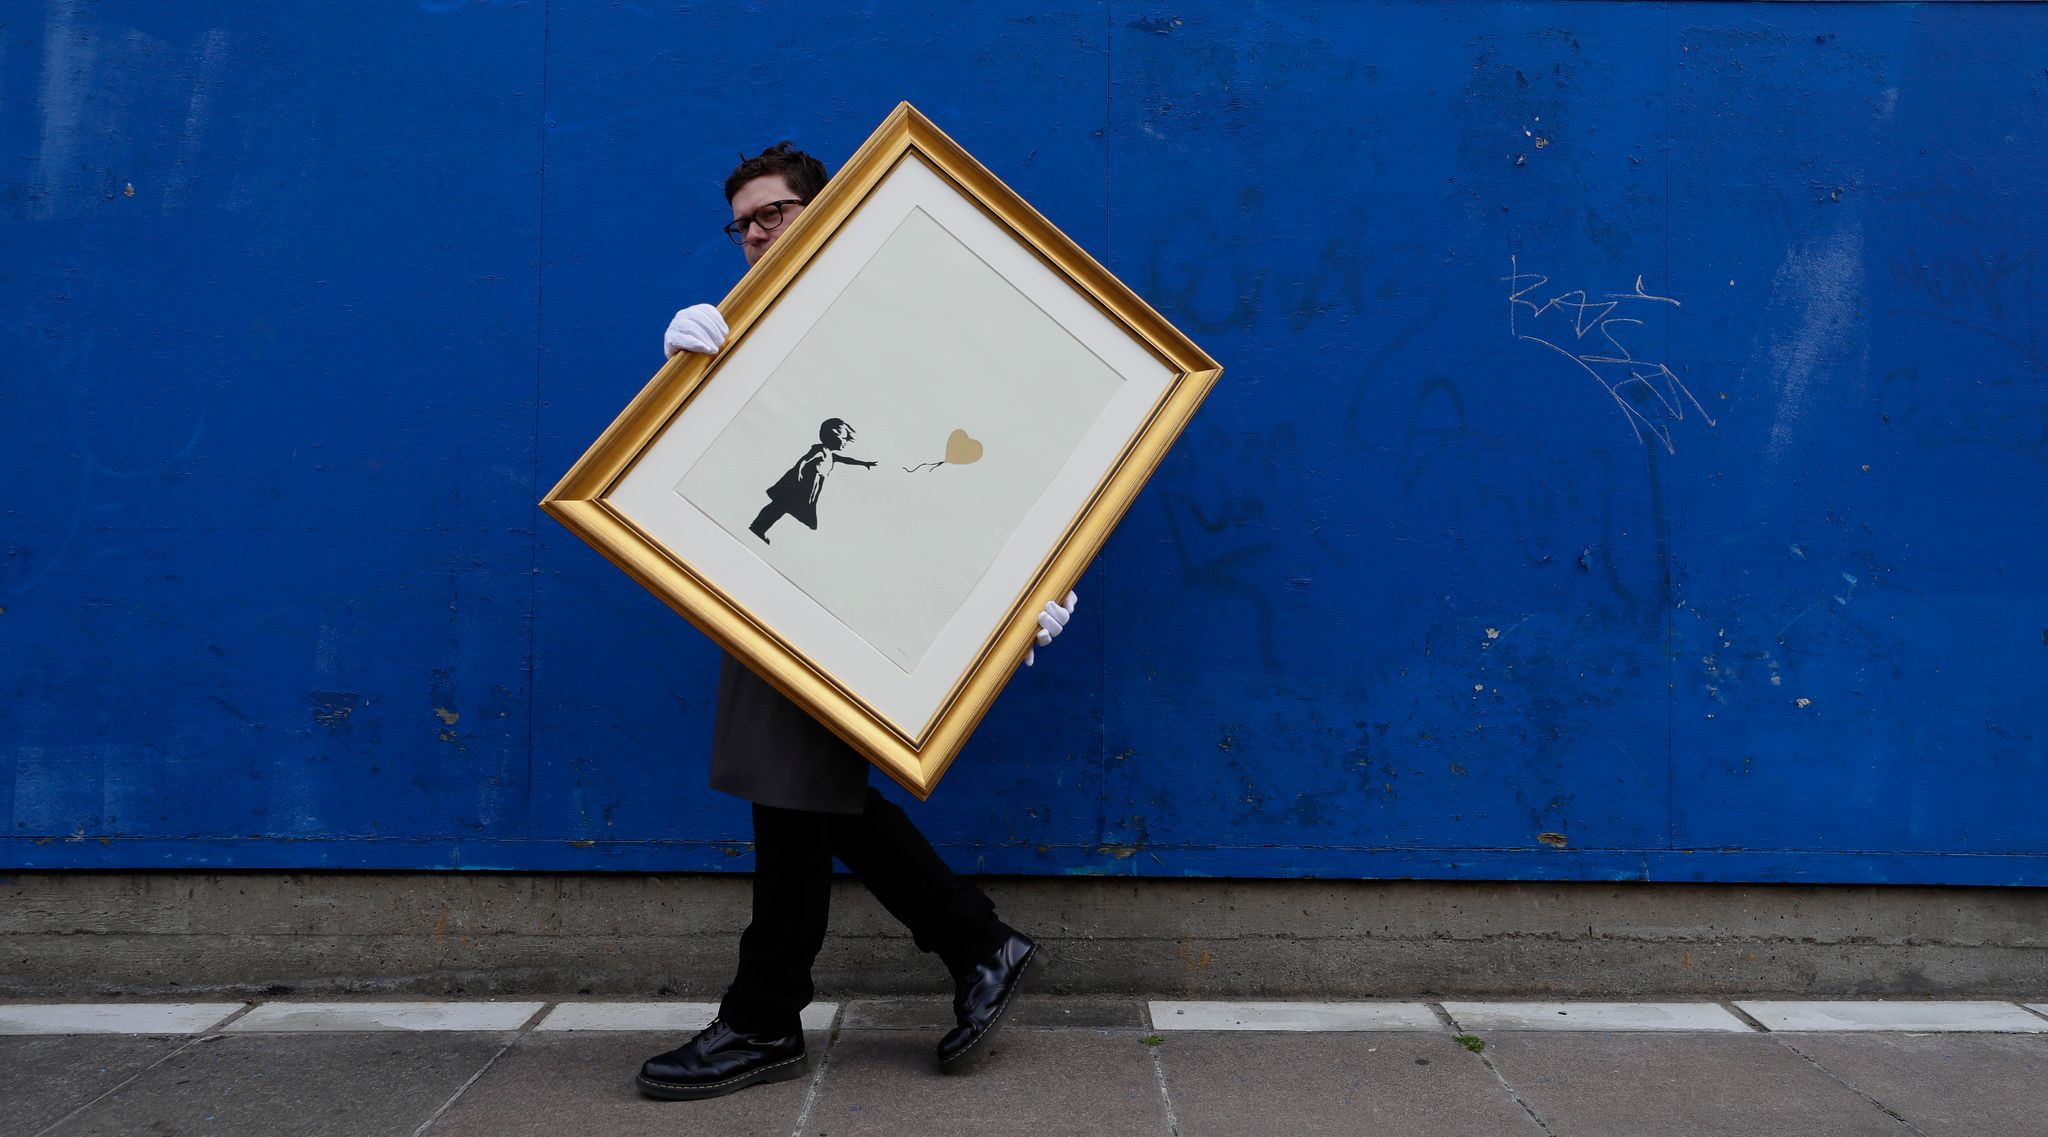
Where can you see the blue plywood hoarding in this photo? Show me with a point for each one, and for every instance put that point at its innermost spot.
(1630, 464)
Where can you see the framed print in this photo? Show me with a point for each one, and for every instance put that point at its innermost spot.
(930, 411)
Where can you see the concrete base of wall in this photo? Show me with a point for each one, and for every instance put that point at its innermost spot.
(155, 934)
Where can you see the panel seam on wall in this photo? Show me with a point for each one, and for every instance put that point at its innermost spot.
(1102, 758)
(540, 269)
(1670, 527)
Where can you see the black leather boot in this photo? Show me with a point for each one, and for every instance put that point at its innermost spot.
(720, 1060)
(981, 998)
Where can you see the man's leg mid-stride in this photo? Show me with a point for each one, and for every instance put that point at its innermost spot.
(947, 916)
(758, 1035)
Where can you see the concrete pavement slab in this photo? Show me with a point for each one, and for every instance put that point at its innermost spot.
(1074, 1013)
(934, 1013)
(1892, 1015)
(1228, 1085)
(1293, 1016)
(1046, 1083)
(112, 1018)
(1594, 1016)
(1700, 1085)
(464, 1016)
(307, 1085)
(49, 1076)
(582, 1083)
(689, 1018)
(1947, 1085)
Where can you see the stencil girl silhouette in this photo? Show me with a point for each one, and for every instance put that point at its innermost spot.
(795, 494)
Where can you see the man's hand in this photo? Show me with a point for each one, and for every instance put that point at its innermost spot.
(1051, 623)
(699, 328)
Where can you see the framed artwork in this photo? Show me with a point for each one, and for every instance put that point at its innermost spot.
(931, 409)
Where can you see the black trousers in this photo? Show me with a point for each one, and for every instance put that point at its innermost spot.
(793, 852)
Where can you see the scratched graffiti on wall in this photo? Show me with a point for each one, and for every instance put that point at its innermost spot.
(1591, 334)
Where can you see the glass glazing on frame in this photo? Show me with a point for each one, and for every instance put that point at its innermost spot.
(888, 498)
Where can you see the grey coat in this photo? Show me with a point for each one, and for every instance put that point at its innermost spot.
(765, 749)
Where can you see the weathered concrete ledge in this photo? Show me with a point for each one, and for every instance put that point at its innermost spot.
(91, 934)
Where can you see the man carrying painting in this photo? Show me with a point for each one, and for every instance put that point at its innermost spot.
(812, 803)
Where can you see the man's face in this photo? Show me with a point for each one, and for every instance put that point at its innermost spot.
(754, 195)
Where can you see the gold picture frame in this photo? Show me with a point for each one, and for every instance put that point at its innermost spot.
(1007, 319)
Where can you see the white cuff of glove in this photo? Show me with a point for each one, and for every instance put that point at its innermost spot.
(699, 328)
(1051, 623)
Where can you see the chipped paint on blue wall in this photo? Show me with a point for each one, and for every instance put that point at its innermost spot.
(1632, 464)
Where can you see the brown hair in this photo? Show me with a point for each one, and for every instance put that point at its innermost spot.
(805, 174)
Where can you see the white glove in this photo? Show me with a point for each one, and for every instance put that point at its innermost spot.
(1051, 623)
(698, 328)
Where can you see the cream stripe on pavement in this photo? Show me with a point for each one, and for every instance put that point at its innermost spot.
(1594, 1016)
(1891, 1016)
(113, 1018)
(660, 1016)
(1901, 1015)
(1293, 1016)
(384, 1016)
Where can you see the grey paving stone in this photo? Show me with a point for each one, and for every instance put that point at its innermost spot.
(113, 1018)
(1580, 1015)
(49, 1076)
(1892, 1014)
(305, 1085)
(447, 1014)
(582, 1083)
(1296, 1015)
(1110, 1013)
(1699, 1085)
(934, 1013)
(1949, 1084)
(883, 1083)
(662, 1017)
(909, 1012)
(1232, 1084)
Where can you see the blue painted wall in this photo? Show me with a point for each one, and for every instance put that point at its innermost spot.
(1632, 459)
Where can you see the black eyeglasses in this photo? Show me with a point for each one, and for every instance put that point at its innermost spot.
(768, 217)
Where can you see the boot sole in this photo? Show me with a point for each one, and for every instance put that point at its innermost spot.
(781, 1071)
(965, 1060)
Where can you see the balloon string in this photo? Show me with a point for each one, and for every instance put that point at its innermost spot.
(922, 465)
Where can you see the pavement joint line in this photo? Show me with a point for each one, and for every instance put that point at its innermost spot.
(1879, 1106)
(222, 1024)
(1514, 1094)
(803, 1117)
(1165, 1097)
(125, 1083)
(1443, 1016)
(534, 1020)
(2033, 1010)
(464, 1088)
(1755, 1023)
